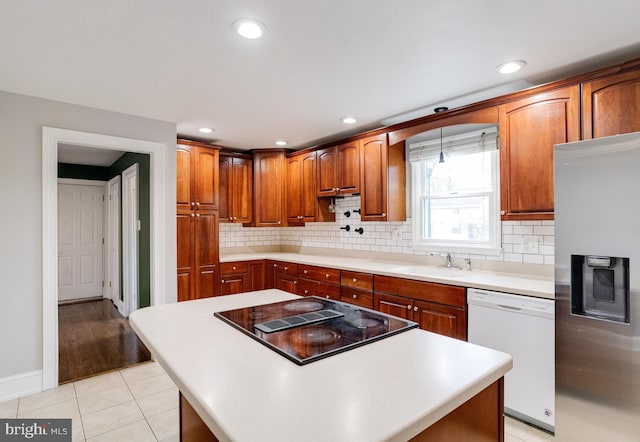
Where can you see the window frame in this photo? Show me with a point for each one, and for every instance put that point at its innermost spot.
(418, 191)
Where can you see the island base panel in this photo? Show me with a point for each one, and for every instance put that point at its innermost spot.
(479, 419)
(192, 428)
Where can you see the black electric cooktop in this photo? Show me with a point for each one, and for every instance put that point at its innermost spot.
(308, 329)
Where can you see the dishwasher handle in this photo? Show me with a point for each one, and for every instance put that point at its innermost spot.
(518, 304)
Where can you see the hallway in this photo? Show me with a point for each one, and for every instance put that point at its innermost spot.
(95, 338)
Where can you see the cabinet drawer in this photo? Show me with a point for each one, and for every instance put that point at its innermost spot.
(363, 281)
(357, 297)
(423, 291)
(308, 287)
(286, 268)
(319, 273)
(234, 268)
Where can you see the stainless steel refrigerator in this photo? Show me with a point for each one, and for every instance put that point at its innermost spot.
(597, 277)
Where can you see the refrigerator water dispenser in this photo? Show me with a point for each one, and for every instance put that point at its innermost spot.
(600, 287)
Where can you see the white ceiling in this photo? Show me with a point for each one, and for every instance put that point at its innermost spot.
(320, 60)
(72, 154)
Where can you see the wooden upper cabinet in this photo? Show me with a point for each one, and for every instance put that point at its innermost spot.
(270, 169)
(301, 189)
(196, 176)
(236, 188)
(338, 170)
(382, 180)
(611, 106)
(529, 128)
(184, 177)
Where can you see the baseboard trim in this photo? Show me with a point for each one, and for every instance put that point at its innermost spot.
(20, 385)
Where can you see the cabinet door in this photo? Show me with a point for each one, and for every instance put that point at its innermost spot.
(242, 189)
(257, 275)
(206, 252)
(184, 177)
(225, 193)
(529, 128)
(393, 305)
(611, 106)
(373, 189)
(308, 198)
(286, 283)
(294, 191)
(441, 319)
(269, 179)
(348, 175)
(185, 224)
(326, 168)
(206, 178)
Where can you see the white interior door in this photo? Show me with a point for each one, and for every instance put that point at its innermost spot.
(130, 238)
(112, 243)
(80, 208)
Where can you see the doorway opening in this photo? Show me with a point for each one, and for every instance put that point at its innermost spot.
(155, 227)
(103, 258)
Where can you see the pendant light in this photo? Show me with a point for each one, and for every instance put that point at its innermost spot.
(441, 154)
(437, 110)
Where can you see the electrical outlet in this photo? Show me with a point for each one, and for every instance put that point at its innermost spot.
(530, 245)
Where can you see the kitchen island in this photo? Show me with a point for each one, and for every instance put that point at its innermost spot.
(414, 384)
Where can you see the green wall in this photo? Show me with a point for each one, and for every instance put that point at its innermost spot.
(96, 173)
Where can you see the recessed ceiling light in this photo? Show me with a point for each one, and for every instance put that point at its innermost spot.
(510, 67)
(205, 130)
(348, 120)
(248, 28)
(281, 143)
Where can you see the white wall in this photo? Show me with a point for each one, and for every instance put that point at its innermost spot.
(386, 237)
(21, 122)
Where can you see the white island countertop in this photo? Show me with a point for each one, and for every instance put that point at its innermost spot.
(391, 389)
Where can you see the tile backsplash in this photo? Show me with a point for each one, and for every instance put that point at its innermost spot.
(527, 242)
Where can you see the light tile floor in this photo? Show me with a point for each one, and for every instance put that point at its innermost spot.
(141, 404)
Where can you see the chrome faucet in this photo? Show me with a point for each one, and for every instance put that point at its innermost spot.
(447, 261)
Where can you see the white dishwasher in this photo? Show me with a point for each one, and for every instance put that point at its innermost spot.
(523, 327)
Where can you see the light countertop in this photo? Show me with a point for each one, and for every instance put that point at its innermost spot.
(521, 284)
(387, 390)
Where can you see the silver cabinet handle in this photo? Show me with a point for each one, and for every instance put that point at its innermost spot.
(192, 204)
(197, 204)
(222, 281)
(409, 307)
(306, 292)
(234, 267)
(295, 282)
(192, 215)
(415, 309)
(327, 296)
(355, 296)
(279, 222)
(502, 212)
(326, 275)
(306, 271)
(197, 214)
(384, 214)
(286, 268)
(355, 279)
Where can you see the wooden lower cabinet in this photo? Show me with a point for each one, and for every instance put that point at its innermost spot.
(437, 308)
(197, 259)
(481, 418)
(242, 276)
(358, 297)
(287, 283)
(309, 287)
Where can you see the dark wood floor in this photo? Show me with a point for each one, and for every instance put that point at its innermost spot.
(94, 338)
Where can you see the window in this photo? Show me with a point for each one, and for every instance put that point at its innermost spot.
(455, 203)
